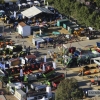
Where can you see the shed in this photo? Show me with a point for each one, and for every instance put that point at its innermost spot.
(23, 29)
(14, 62)
(39, 40)
(60, 22)
(72, 28)
(68, 23)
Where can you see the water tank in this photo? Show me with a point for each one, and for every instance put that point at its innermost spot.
(49, 92)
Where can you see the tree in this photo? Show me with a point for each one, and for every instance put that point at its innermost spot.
(91, 19)
(80, 12)
(97, 22)
(98, 3)
(1, 1)
(68, 89)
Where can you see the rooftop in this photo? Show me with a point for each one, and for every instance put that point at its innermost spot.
(22, 24)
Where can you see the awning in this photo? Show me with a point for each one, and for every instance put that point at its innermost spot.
(33, 11)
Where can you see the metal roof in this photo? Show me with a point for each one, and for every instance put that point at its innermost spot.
(33, 11)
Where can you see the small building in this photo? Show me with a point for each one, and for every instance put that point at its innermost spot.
(23, 29)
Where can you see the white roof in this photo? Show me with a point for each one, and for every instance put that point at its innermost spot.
(36, 2)
(2, 11)
(97, 58)
(38, 39)
(96, 62)
(35, 11)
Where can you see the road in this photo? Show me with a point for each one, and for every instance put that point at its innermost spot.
(83, 44)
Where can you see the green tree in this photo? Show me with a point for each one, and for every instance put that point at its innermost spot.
(75, 11)
(78, 11)
(98, 3)
(97, 22)
(68, 89)
(50, 1)
(91, 19)
(1, 1)
(83, 14)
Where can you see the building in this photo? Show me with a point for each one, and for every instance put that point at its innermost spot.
(23, 29)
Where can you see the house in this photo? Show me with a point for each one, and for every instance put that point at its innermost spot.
(23, 29)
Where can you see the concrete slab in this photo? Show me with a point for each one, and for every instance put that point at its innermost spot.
(2, 97)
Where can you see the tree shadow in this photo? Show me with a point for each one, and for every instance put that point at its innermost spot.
(83, 83)
(72, 75)
(86, 89)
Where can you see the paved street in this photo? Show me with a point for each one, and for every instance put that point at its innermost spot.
(82, 44)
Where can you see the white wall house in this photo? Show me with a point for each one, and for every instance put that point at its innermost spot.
(23, 29)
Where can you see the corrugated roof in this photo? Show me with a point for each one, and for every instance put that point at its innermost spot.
(31, 12)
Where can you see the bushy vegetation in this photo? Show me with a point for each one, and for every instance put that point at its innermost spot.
(86, 15)
(68, 90)
(1, 1)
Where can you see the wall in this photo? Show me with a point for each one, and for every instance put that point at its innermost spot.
(26, 30)
(20, 30)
